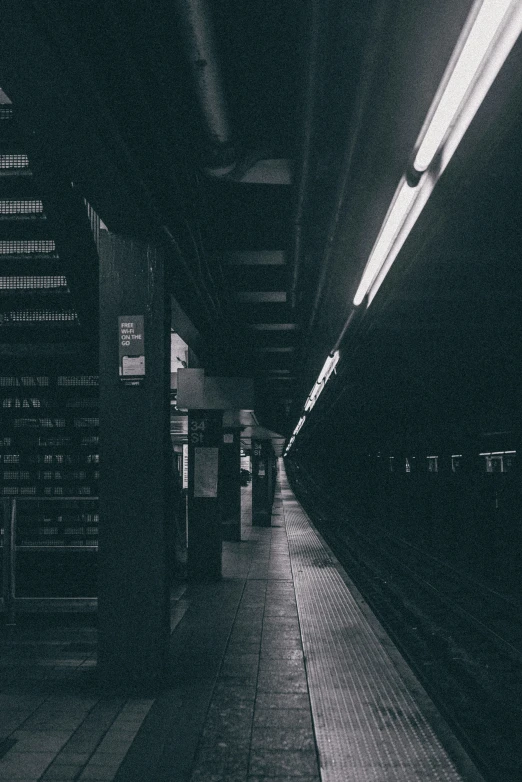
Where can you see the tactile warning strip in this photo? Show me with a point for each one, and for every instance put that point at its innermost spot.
(369, 727)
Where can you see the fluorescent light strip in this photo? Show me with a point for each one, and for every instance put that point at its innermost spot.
(492, 29)
(487, 41)
(299, 425)
(324, 375)
(422, 192)
(491, 67)
(400, 206)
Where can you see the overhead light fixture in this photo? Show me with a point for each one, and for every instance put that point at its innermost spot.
(489, 34)
(328, 367)
(324, 375)
(393, 222)
(299, 425)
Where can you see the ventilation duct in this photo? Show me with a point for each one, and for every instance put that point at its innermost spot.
(224, 159)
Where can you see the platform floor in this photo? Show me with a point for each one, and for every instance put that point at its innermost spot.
(281, 672)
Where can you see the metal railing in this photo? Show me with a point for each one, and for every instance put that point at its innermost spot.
(10, 513)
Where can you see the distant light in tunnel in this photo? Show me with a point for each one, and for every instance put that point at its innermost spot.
(299, 424)
(324, 375)
(328, 367)
(488, 36)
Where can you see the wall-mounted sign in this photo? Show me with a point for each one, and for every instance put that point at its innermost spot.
(185, 465)
(131, 345)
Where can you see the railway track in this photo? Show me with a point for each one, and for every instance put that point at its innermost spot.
(463, 640)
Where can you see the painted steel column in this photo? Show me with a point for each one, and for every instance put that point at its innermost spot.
(205, 434)
(230, 484)
(9, 559)
(133, 602)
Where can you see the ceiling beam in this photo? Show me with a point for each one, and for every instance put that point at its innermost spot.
(274, 326)
(255, 258)
(260, 297)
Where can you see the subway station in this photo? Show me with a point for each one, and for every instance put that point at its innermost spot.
(260, 391)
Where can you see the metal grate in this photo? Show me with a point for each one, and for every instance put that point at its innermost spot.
(8, 381)
(33, 282)
(35, 423)
(80, 423)
(33, 317)
(13, 206)
(54, 442)
(78, 380)
(27, 246)
(6, 112)
(16, 402)
(91, 439)
(13, 162)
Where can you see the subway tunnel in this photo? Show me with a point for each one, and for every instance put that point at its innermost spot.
(260, 341)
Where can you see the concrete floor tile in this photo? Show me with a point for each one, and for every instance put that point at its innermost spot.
(281, 636)
(68, 758)
(282, 718)
(62, 773)
(274, 644)
(289, 609)
(278, 778)
(269, 653)
(215, 734)
(231, 695)
(96, 775)
(39, 741)
(223, 759)
(239, 665)
(24, 765)
(282, 665)
(279, 762)
(240, 657)
(282, 681)
(285, 627)
(283, 738)
(241, 680)
(204, 775)
(243, 638)
(282, 700)
(229, 722)
(252, 647)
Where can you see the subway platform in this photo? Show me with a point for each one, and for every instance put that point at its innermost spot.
(279, 672)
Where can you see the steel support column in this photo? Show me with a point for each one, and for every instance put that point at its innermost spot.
(135, 442)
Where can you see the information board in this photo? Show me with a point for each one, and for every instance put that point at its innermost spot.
(131, 346)
(185, 465)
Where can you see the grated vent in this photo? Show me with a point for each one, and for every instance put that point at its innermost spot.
(6, 113)
(33, 282)
(78, 380)
(27, 246)
(33, 317)
(13, 162)
(24, 381)
(12, 206)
